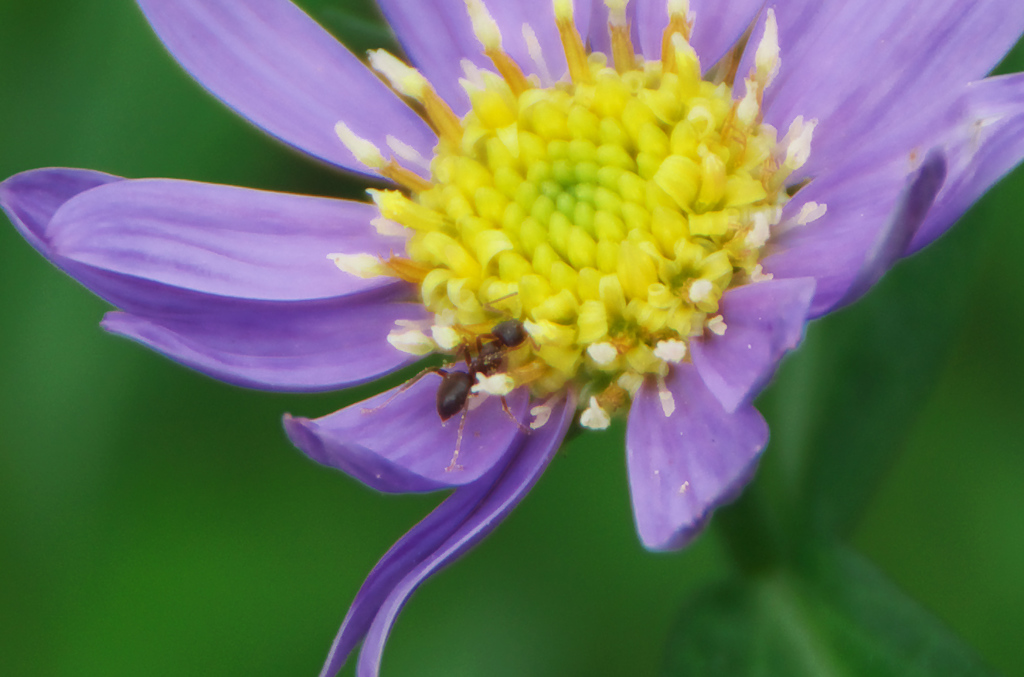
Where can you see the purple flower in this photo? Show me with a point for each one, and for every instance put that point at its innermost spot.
(614, 234)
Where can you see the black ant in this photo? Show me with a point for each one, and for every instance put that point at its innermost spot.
(456, 386)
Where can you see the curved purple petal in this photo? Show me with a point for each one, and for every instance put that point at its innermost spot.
(718, 25)
(764, 321)
(870, 204)
(422, 540)
(279, 69)
(396, 442)
(423, 552)
(985, 140)
(31, 198)
(914, 203)
(437, 35)
(219, 240)
(865, 69)
(683, 466)
(298, 346)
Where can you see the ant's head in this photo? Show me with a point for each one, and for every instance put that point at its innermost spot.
(510, 333)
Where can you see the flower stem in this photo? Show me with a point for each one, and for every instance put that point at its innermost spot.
(750, 532)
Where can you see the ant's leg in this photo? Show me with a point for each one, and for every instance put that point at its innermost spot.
(490, 304)
(512, 417)
(463, 353)
(405, 386)
(458, 443)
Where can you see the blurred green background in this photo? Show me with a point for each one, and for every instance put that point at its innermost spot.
(153, 521)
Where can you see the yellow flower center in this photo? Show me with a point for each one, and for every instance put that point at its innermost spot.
(607, 212)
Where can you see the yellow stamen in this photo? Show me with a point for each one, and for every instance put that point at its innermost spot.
(678, 24)
(407, 81)
(572, 43)
(371, 156)
(404, 177)
(623, 54)
(608, 214)
(486, 30)
(441, 117)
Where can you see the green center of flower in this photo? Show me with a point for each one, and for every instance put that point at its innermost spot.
(607, 213)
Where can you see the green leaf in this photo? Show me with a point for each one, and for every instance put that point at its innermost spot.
(356, 23)
(840, 618)
(842, 405)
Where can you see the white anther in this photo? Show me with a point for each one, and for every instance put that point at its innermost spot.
(412, 341)
(716, 325)
(683, 49)
(616, 12)
(668, 402)
(484, 26)
(445, 337)
(678, 8)
(542, 332)
(683, 487)
(388, 228)
(473, 74)
(798, 142)
(630, 382)
(405, 79)
(748, 108)
(364, 151)
(404, 151)
(602, 353)
(811, 211)
(671, 350)
(700, 290)
(412, 324)
(766, 58)
(758, 274)
(759, 232)
(541, 414)
(360, 265)
(594, 417)
(536, 54)
(498, 385)
(446, 318)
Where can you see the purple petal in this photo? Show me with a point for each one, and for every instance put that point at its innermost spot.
(216, 239)
(892, 242)
(984, 142)
(437, 35)
(764, 321)
(396, 442)
(683, 466)
(299, 346)
(280, 70)
(422, 540)
(457, 525)
(868, 203)
(31, 198)
(867, 67)
(718, 26)
(232, 282)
